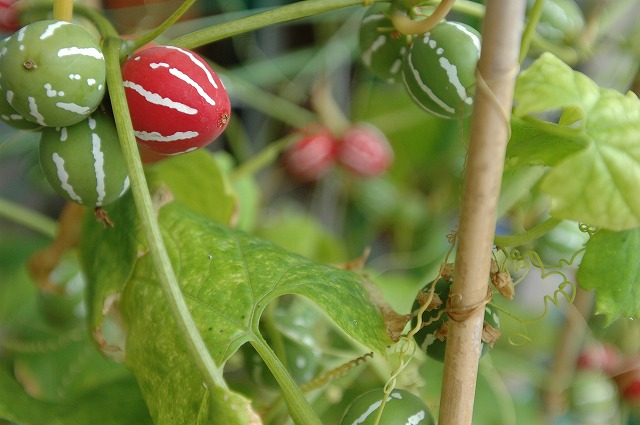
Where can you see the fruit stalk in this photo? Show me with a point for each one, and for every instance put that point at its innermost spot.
(212, 374)
(497, 69)
(63, 10)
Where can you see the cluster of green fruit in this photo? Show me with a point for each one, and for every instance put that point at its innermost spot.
(437, 68)
(53, 80)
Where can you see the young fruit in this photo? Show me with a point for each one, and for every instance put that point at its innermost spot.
(382, 48)
(52, 73)
(402, 407)
(439, 70)
(431, 338)
(177, 102)
(628, 381)
(600, 357)
(11, 117)
(593, 398)
(84, 162)
(312, 156)
(365, 151)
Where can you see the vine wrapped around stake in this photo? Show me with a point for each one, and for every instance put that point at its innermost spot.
(483, 174)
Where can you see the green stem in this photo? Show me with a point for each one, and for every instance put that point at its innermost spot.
(298, 10)
(263, 158)
(28, 218)
(267, 103)
(299, 408)
(63, 10)
(131, 45)
(212, 374)
(575, 134)
(530, 30)
(466, 7)
(528, 236)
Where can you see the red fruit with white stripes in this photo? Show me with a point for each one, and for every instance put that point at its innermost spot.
(312, 156)
(9, 16)
(176, 101)
(365, 151)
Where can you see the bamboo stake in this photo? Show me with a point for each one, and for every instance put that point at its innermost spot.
(496, 74)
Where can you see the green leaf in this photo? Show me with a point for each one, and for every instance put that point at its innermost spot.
(196, 180)
(610, 266)
(595, 184)
(550, 84)
(117, 402)
(228, 277)
(535, 144)
(304, 235)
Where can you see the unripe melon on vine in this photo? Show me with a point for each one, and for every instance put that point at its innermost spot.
(382, 47)
(52, 73)
(439, 69)
(431, 338)
(84, 162)
(8, 114)
(11, 117)
(177, 102)
(401, 408)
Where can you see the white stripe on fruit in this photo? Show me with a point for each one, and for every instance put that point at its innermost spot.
(156, 99)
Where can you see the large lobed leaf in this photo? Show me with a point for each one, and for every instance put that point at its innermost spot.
(595, 184)
(610, 266)
(227, 278)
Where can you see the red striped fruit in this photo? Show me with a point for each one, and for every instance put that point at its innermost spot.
(312, 156)
(8, 16)
(177, 102)
(365, 151)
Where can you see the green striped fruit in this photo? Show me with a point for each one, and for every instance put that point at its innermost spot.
(84, 162)
(12, 117)
(8, 114)
(431, 337)
(52, 73)
(439, 69)
(382, 47)
(402, 407)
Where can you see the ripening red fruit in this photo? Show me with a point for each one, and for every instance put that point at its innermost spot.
(365, 151)
(312, 156)
(600, 357)
(177, 102)
(9, 22)
(628, 381)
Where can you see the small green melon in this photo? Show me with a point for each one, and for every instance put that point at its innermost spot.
(382, 47)
(52, 73)
(84, 162)
(402, 407)
(439, 69)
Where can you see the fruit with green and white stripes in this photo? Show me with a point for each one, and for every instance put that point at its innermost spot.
(52, 73)
(382, 47)
(432, 336)
(439, 69)
(84, 162)
(401, 407)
